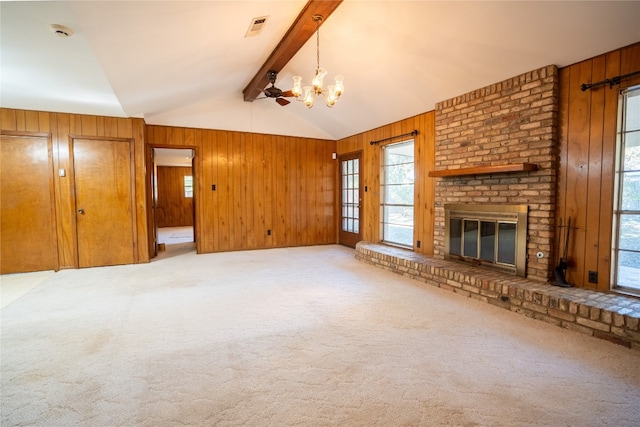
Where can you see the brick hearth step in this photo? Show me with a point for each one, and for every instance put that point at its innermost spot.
(612, 317)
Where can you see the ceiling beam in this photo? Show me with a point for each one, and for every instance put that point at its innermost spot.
(300, 31)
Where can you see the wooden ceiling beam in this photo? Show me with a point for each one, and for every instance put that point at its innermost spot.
(300, 31)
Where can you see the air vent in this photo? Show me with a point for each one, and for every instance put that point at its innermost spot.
(257, 24)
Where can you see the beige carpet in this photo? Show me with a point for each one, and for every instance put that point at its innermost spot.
(174, 235)
(301, 336)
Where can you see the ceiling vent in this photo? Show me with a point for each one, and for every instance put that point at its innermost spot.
(257, 24)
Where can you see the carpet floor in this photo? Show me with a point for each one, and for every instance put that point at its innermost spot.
(297, 336)
(175, 235)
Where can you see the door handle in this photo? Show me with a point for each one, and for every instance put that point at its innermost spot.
(81, 211)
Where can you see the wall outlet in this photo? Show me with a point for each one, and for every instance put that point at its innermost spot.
(269, 232)
(418, 244)
(593, 276)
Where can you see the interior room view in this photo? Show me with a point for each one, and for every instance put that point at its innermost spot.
(320, 212)
(172, 189)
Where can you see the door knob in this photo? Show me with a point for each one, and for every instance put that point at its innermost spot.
(81, 211)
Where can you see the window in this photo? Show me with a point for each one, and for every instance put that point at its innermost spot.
(626, 214)
(188, 187)
(397, 179)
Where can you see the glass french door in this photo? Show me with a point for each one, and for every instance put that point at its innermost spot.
(350, 199)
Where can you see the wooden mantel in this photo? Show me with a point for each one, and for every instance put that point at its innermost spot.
(484, 170)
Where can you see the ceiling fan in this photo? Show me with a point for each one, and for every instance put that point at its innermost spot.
(273, 92)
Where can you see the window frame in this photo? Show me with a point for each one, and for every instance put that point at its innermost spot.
(187, 187)
(619, 179)
(384, 190)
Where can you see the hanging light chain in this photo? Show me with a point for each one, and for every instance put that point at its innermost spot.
(318, 20)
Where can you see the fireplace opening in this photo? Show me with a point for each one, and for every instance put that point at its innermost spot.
(489, 235)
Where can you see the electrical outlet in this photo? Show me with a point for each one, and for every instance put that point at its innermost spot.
(593, 276)
(269, 232)
(418, 243)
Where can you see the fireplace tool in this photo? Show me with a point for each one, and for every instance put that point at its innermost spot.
(561, 268)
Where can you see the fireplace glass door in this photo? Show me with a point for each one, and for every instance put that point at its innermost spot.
(489, 241)
(492, 235)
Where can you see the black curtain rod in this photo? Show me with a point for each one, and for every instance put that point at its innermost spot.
(414, 133)
(612, 82)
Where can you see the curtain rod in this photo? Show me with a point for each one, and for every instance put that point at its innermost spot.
(613, 81)
(413, 133)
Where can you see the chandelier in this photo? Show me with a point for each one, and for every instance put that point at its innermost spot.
(308, 94)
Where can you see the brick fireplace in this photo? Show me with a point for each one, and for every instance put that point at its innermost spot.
(497, 146)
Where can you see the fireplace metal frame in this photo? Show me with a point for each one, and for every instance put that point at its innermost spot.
(506, 213)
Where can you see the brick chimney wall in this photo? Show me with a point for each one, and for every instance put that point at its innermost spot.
(513, 121)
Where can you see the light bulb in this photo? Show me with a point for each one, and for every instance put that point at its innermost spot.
(330, 97)
(297, 86)
(317, 80)
(339, 87)
(308, 96)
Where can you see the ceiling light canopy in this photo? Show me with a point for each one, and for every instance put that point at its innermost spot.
(308, 94)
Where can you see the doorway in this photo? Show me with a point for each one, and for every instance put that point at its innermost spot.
(350, 199)
(173, 196)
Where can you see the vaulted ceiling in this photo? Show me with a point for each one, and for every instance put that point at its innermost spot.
(186, 63)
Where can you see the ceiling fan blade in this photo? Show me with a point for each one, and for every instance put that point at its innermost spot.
(287, 94)
(282, 101)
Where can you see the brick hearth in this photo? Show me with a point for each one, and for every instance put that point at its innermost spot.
(612, 317)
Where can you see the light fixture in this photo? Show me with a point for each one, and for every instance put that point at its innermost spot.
(308, 94)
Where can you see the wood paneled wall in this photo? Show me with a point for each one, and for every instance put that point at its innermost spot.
(288, 185)
(424, 186)
(587, 145)
(173, 209)
(63, 128)
(270, 191)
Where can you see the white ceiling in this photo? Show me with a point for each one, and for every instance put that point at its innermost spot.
(173, 157)
(185, 63)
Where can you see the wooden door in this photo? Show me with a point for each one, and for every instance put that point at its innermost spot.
(350, 199)
(105, 221)
(27, 232)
